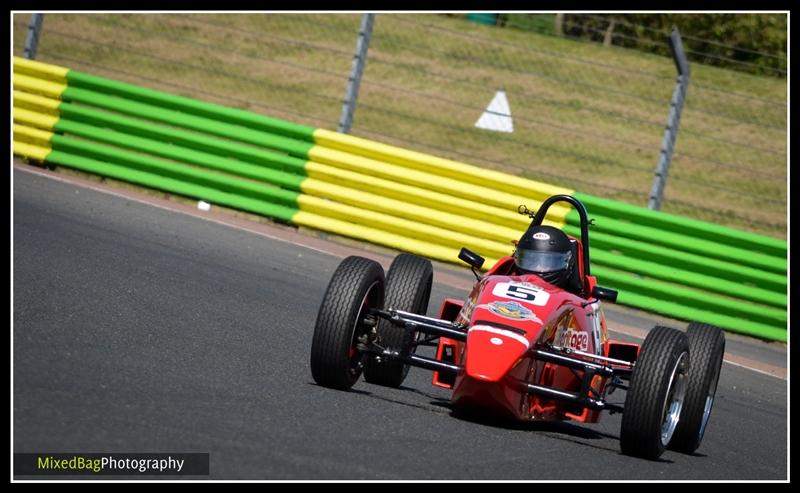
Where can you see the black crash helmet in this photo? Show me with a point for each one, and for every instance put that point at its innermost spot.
(546, 252)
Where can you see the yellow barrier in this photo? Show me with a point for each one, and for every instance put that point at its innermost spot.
(34, 119)
(413, 212)
(31, 151)
(31, 135)
(436, 165)
(420, 196)
(379, 237)
(392, 224)
(40, 70)
(33, 102)
(39, 86)
(476, 193)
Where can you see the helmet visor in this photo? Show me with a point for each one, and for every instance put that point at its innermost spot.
(534, 261)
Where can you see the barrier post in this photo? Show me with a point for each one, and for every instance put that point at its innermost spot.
(356, 70)
(32, 40)
(674, 118)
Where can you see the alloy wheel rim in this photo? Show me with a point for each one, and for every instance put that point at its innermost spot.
(676, 392)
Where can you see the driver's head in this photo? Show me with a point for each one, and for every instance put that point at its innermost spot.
(546, 252)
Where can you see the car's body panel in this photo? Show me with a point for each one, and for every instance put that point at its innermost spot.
(505, 316)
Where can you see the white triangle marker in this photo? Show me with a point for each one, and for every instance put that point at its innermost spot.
(497, 116)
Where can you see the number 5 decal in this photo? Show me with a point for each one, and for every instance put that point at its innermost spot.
(525, 292)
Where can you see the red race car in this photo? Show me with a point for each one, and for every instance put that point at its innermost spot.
(530, 341)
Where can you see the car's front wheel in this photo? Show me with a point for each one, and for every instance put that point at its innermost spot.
(342, 322)
(656, 393)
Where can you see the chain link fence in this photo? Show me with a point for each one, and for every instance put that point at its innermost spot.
(585, 116)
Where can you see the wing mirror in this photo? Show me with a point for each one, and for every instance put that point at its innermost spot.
(605, 294)
(472, 259)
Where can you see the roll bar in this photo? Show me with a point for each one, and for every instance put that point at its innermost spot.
(542, 212)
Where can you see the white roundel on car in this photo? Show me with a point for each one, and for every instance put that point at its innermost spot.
(502, 334)
(541, 236)
(496, 341)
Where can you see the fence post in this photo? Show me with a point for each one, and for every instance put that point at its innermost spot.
(558, 26)
(357, 69)
(32, 40)
(608, 37)
(674, 118)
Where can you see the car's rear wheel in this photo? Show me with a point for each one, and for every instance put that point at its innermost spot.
(356, 285)
(656, 393)
(408, 288)
(706, 349)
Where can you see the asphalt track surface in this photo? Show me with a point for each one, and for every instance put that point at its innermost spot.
(138, 329)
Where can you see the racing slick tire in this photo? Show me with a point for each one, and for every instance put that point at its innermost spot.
(408, 288)
(357, 284)
(706, 348)
(656, 393)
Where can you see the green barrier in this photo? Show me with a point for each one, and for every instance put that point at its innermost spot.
(683, 225)
(177, 153)
(626, 282)
(190, 106)
(150, 180)
(676, 310)
(117, 158)
(293, 147)
(682, 242)
(688, 278)
(688, 261)
(201, 142)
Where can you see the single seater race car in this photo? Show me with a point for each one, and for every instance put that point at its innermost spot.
(519, 346)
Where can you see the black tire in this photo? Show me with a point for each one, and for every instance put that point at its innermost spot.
(706, 349)
(656, 393)
(408, 288)
(356, 284)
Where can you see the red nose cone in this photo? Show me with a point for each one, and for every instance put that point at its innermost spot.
(492, 352)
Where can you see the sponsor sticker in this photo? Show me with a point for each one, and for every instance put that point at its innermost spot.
(541, 236)
(575, 339)
(511, 309)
